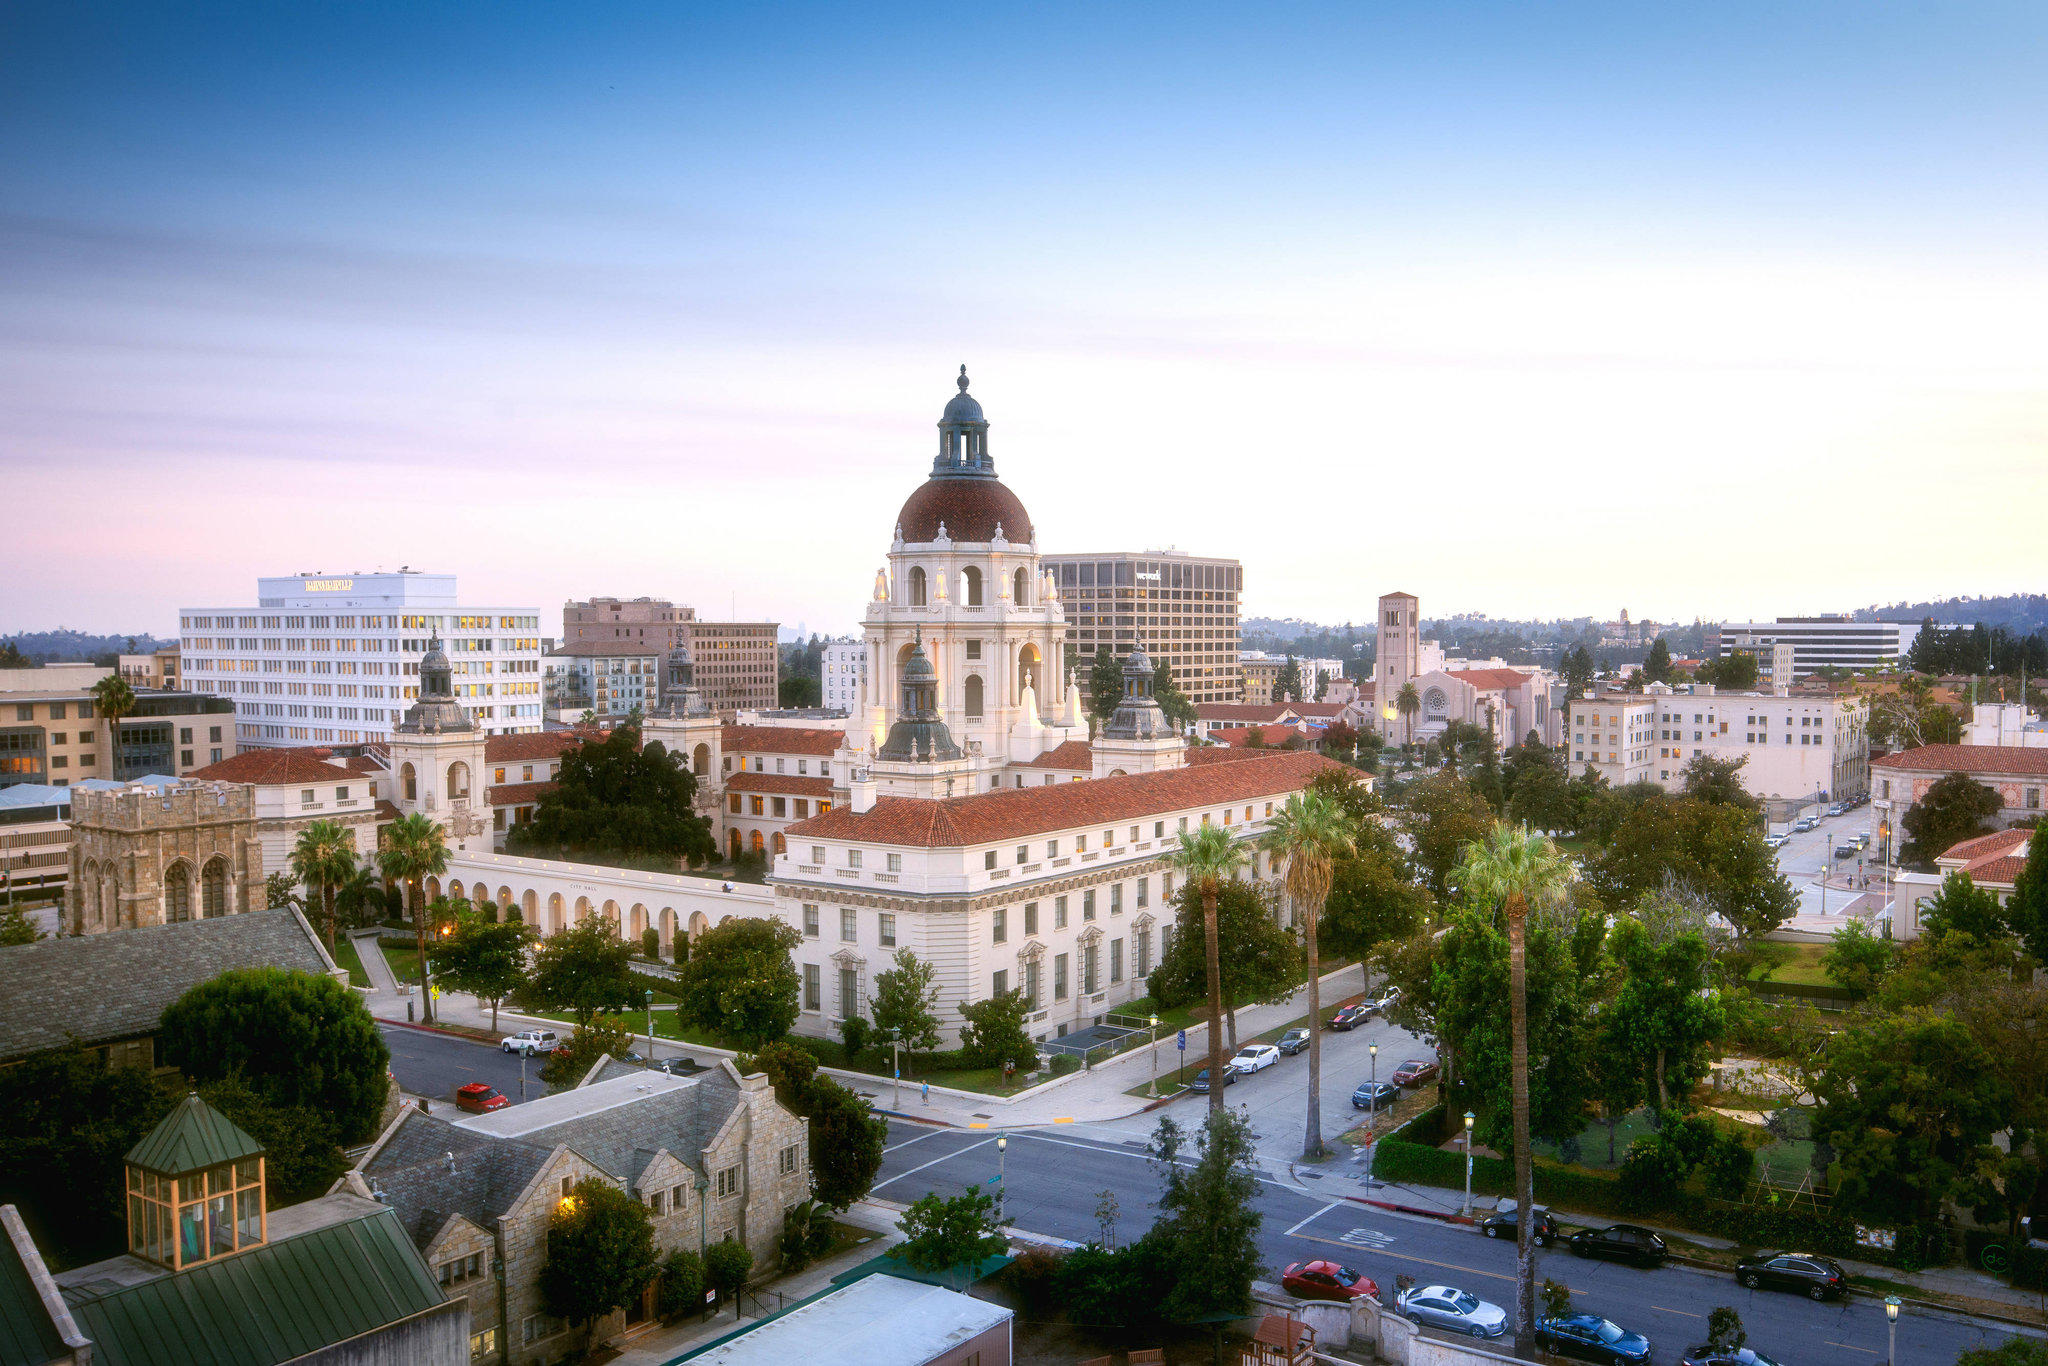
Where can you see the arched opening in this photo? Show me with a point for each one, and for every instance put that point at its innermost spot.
(110, 899)
(700, 759)
(458, 780)
(970, 587)
(433, 890)
(582, 909)
(780, 846)
(732, 843)
(1027, 672)
(666, 924)
(637, 921)
(974, 697)
(178, 893)
(724, 920)
(918, 588)
(698, 924)
(213, 889)
(86, 896)
(408, 782)
(1021, 591)
(554, 912)
(504, 903)
(529, 906)
(455, 889)
(755, 843)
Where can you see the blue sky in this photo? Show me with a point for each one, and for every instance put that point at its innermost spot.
(1541, 308)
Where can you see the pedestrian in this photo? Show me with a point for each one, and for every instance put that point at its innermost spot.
(925, 1092)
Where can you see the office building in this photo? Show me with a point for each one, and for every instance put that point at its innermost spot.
(846, 674)
(737, 664)
(327, 659)
(1797, 747)
(1817, 642)
(611, 679)
(158, 670)
(1181, 608)
(51, 731)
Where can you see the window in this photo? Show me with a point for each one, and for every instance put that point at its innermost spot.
(988, 860)
(810, 922)
(728, 1183)
(1030, 918)
(849, 925)
(1116, 898)
(853, 858)
(483, 1345)
(1143, 953)
(654, 1203)
(885, 929)
(1088, 904)
(1116, 961)
(895, 863)
(676, 1199)
(785, 1161)
(1088, 956)
(755, 806)
(1059, 913)
(1158, 830)
(1052, 847)
(538, 1326)
(811, 987)
(1023, 853)
(817, 853)
(1080, 844)
(1031, 985)
(1144, 891)
(1059, 977)
(1000, 919)
(1001, 983)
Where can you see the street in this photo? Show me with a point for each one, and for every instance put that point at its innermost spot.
(1054, 1181)
(1806, 852)
(433, 1065)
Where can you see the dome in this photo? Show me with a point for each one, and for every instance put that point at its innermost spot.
(1139, 663)
(971, 509)
(963, 408)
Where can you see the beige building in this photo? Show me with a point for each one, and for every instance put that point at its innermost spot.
(156, 856)
(2018, 774)
(1183, 609)
(293, 788)
(1796, 747)
(712, 1157)
(51, 731)
(159, 670)
(738, 664)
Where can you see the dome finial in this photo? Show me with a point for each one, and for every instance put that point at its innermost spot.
(962, 381)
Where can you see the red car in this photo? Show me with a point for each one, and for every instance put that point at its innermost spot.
(1414, 1072)
(479, 1098)
(1327, 1281)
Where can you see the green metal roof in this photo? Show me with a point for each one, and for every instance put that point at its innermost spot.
(191, 1137)
(27, 1336)
(269, 1304)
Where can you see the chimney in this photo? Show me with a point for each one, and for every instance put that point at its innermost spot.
(863, 791)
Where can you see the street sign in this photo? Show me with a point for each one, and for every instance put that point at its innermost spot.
(1182, 1042)
(992, 1181)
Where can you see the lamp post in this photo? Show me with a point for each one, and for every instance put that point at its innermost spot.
(1152, 1035)
(648, 1000)
(1891, 1320)
(1468, 1163)
(1002, 1170)
(1372, 1121)
(896, 1070)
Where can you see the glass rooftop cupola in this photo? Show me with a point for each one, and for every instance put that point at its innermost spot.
(195, 1189)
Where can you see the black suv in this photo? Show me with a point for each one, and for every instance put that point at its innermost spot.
(1621, 1243)
(1817, 1278)
(1542, 1227)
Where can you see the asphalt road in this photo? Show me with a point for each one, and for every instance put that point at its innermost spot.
(433, 1065)
(1802, 857)
(1055, 1177)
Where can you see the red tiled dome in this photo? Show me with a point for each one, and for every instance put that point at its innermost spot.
(971, 508)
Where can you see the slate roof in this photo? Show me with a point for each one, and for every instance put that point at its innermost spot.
(2008, 760)
(409, 1172)
(57, 989)
(618, 1122)
(192, 1136)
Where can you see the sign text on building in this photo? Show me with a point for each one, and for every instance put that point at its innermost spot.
(329, 585)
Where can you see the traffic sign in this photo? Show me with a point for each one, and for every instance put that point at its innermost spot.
(1182, 1042)
(992, 1181)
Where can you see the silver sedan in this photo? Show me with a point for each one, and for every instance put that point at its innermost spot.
(1459, 1311)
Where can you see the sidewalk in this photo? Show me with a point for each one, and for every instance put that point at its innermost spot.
(374, 966)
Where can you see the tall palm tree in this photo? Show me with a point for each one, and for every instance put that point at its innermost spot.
(415, 848)
(1514, 869)
(1408, 702)
(113, 699)
(323, 859)
(359, 897)
(1207, 858)
(1311, 833)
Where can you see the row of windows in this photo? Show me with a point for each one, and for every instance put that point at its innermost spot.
(374, 622)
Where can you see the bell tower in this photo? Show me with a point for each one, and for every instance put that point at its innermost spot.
(437, 758)
(1138, 738)
(685, 725)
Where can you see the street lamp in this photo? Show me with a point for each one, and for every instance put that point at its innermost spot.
(1152, 1087)
(1468, 1163)
(1891, 1318)
(1002, 1184)
(1372, 1150)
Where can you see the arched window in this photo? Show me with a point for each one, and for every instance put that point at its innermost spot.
(700, 759)
(110, 899)
(178, 893)
(458, 780)
(733, 843)
(213, 889)
(974, 697)
(917, 585)
(970, 586)
(780, 846)
(755, 843)
(408, 782)
(1022, 591)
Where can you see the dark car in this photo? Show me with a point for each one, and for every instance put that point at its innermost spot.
(479, 1098)
(1375, 1095)
(1201, 1081)
(1293, 1041)
(1415, 1071)
(1502, 1225)
(1327, 1281)
(1350, 1017)
(677, 1067)
(1726, 1356)
(1588, 1337)
(1817, 1278)
(1621, 1243)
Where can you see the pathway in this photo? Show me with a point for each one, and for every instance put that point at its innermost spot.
(374, 966)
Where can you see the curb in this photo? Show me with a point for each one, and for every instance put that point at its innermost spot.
(915, 1119)
(1418, 1210)
(435, 1030)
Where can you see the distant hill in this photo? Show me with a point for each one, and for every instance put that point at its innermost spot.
(62, 647)
(2021, 613)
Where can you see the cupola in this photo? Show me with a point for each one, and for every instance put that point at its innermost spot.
(195, 1189)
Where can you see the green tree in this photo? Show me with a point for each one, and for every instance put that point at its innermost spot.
(301, 1158)
(599, 1037)
(1444, 815)
(1120, 1288)
(1664, 1008)
(600, 1252)
(1615, 1076)
(1955, 808)
(613, 798)
(726, 1267)
(1718, 780)
(486, 958)
(1308, 835)
(1408, 702)
(806, 1234)
(1372, 900)
(2026, 910)
(789, 1070)
(943, 1235)
(1287, 684)
(1172, 701)
(583, 969)
(1208, 1223)
(739, 982)
(1716, 850)
(1858, 959)
(415, 848)
(359, 898)
(847, 1138)
(1105, 686)
(16, 928)
(66, 1119)
(1206, 859)
(296, 1038)
(798, 692)
(682, 1284)
(112, 700)
(1538, 790)
(279, 892)
(1259, 960)
(1515, 870)
(995, 1034)
(323, 859)
(1734, 672)
(1725, 1332)
(1657, 667)
(904, 1001)
(1577, 668)
(1909, 1104)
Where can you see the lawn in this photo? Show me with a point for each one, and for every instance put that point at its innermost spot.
(1593, 1142)
(345, 956)
(1798, 964)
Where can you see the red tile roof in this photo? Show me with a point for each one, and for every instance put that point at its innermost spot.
(1487, 680)
(519, 794)
(1073, 756)
(780, 784)
(1999, 842)
(1250, 713)
(388, 811)
(543, 744)
(1241, 736)
(2003, 759)
(1010, 813)
(273, 768)
(1221, 754)
(1318, 710)
(782, 740)
(1998, 872)
(364, 766)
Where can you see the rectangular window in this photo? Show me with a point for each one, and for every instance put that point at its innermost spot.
(1023, 853)
(675, 1199)
(849, 925)
(1031, 984)
(1030, 918)
(1088, 956)
(1052, 847)
(853, 858)
(817, 853)
(811, 987)
(1116, 961)
(895, 863)
(754, 807)
(1000, 919)
(1088, 904)
(988, 860)
(785, 1161)
(1059, 913)
(1059, 977)
(1143, 953)
(1080, 844)
(1144, 891)
(1116, 898)
(1158, 830)
(1002, 983)
(810, 922)
(484, 1345)
(728, 1183)
(849, 993)
(885, 929)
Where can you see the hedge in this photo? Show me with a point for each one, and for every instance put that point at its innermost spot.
(1811, 991)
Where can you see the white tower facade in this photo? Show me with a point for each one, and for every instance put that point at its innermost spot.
(1399, 658)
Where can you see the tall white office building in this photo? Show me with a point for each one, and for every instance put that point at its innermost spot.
(846, 673)
(335, 659)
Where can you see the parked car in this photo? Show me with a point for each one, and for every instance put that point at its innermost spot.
(479, 1098)
(1817, 1278)
(1327, 1281)
(1201, 1081)
(530, 1042)
(1776, 841)
(1415, 1071)
(1254, 1057)
(678, 1067)
(1726, 1356)
(1621, 1243)
(1350, 1017)
(1375, 1095)
(1293, 1041)
(1805, 823)
(1503, 1225)
(1861, 839)
(1459, 1311)
(1838, 809)
(1588, 1337)
(1381, 1004)
(1848, 849)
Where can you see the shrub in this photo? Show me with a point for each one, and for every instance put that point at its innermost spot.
(679, 949)
(855, 1033)
(1121, 1289)
(726, 1265)
(1034, 1278)
(1557, 1299)
(1727, 1166)
(1065, 1063)
(682, 1284)
(650, 943)
(1724, 1329)
(806, 1233)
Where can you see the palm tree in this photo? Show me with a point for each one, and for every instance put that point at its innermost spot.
(1408, 702)
(1311, 833)
(1207, 858)
(323, 859)
(1513, 869)
(359, 897)
(415, 847)
(113, 699)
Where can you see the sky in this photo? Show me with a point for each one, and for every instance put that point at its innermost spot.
(1544, 309)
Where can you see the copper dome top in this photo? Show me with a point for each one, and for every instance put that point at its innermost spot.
(971, 510)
